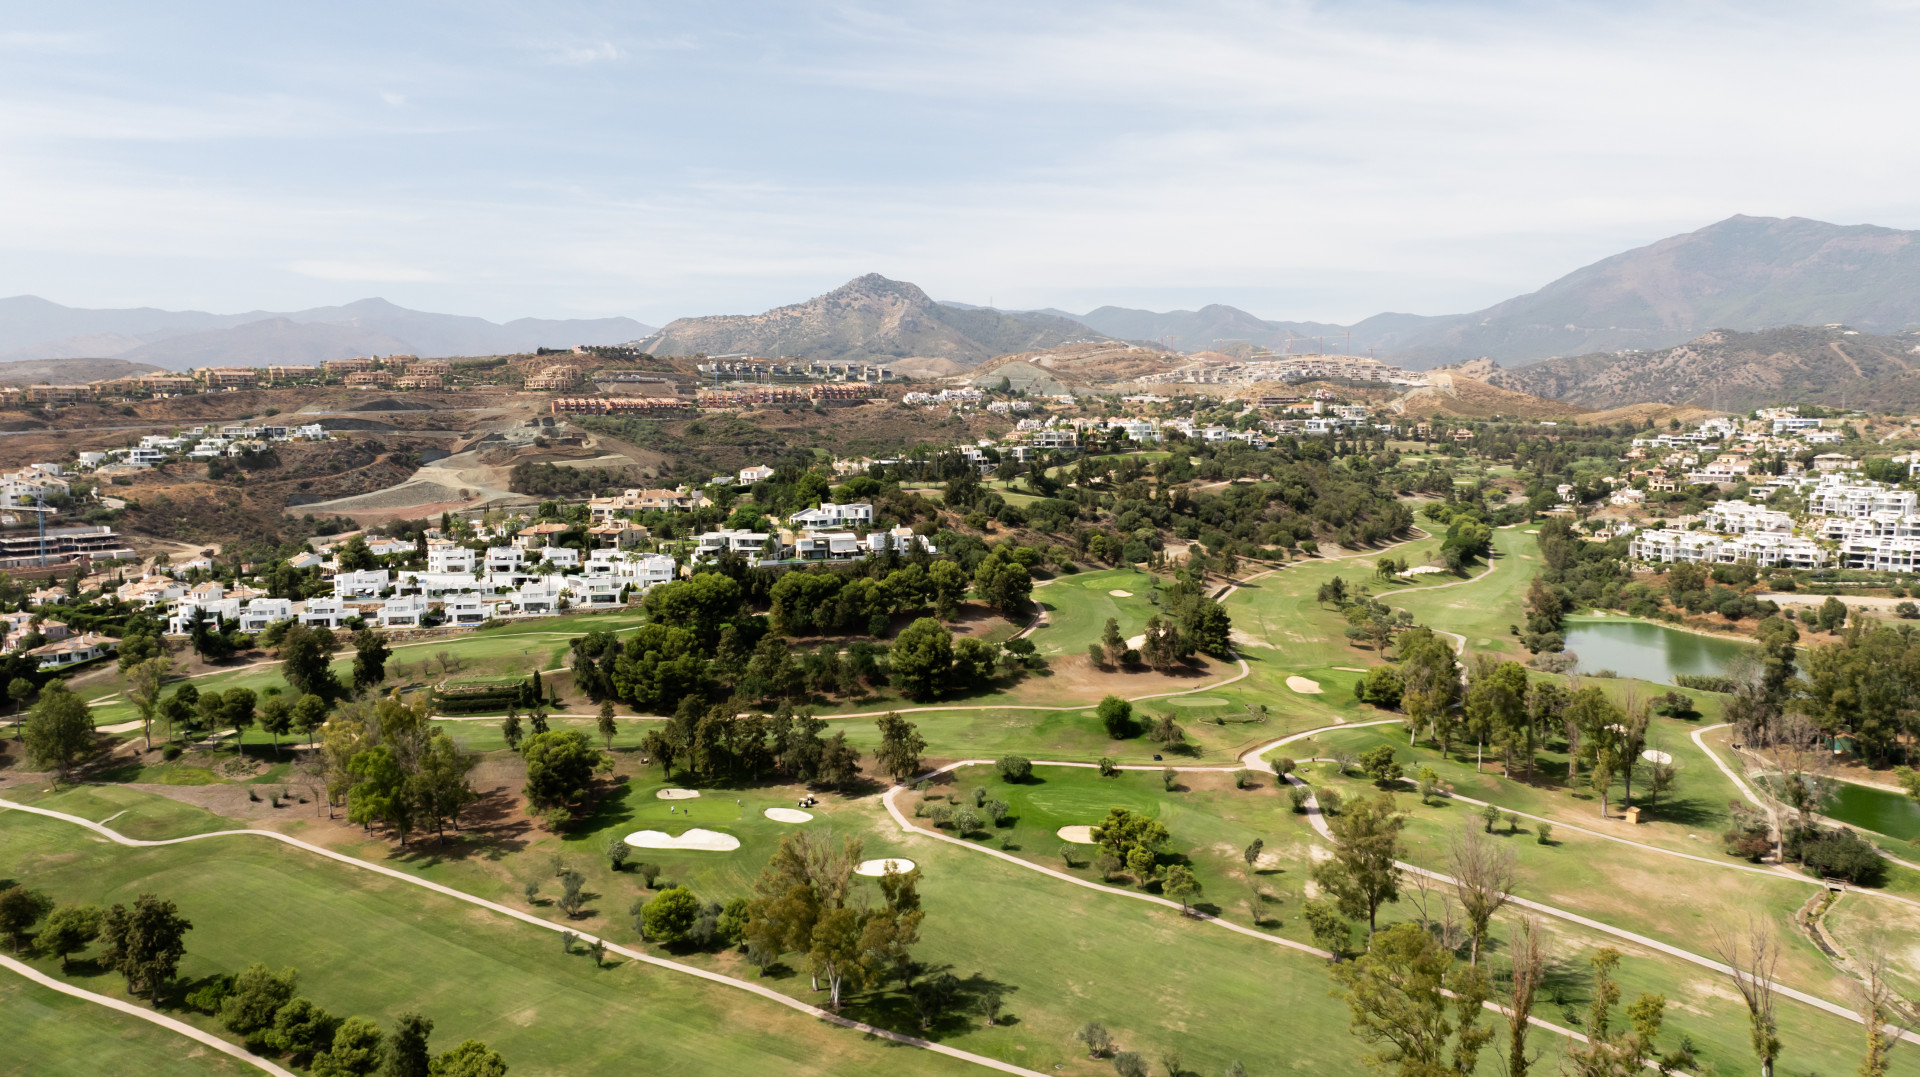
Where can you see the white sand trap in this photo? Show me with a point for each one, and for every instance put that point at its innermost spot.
(1350, 669)
(789, 815)
(1303, 685)
(697, 840)
(1423, 570)
(1655, 755)
(1121, 594)
(1078, 835)
(678, 794)
(1533, 532)
(1137, 642)
(876, 868)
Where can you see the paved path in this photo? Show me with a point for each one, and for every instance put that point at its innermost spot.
(527, 918)
(1320, 824)
(144, 1014)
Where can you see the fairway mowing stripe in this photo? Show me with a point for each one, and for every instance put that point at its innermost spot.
(1320, 825)
(160, 1019)
(675, 966)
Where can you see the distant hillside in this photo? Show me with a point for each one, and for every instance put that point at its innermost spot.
(33, 328)
(868, 319)
(69, 371)
(1743, 273)
(1735, 371)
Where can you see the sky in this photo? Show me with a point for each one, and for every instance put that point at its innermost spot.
(1302, 161)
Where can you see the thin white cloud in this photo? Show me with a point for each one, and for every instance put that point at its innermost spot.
(363, 272)
(584, 55)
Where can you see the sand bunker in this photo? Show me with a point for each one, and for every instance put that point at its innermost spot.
(1303, 685)
(1655, 755)
(1137, 642)
(697, 840)
(1350, 669)
(789, 815)
(1121, 594)
(1078, 835)
(1422, 570)
(678, 794)
(877, 868)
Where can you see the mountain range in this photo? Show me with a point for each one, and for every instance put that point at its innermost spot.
(34, 328)
(1743, 273)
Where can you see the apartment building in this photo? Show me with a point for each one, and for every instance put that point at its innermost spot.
(1836, 497)
(1765, 549)
(830, 516)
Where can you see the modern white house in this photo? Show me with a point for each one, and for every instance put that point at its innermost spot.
(844, 546)
(366, 583)
(505, 558)
(211, 610)
(899, 538)
(559, 556)
(261, 612)
(403, 611)
(325, 613)
(830, 516)
(449, 558)
(748, 544)
(538, 596)
(467, 609)
(595, 591)
(756, 473)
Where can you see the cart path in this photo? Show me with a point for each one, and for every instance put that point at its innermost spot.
(1320, 824)
(144, 1014)
(527, 918)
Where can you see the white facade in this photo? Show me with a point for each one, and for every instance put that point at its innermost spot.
(1765, 549)
(1881, 554)
(748, 544)
(467, 610)
(404, 611)
(1739, 518)
(1834, 497)
(504, 558)
(829, 516)
(844, 546)
(325, 612)
(899, 538)
(262, 612)
(756, 473)
(366, 583)
(212, 610)
(447, 558)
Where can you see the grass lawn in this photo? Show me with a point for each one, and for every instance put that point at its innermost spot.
(1481, 610)
(1079, 605)
(368, 945)
(49, 1034)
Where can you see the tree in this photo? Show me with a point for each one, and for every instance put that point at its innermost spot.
(669, 918)
(59, 730)
(1362, 874)
(1180, 883)
(1431, 678)
(276, 717)
(237, 710)
(144, 944)
(1407, 998)
(1608, 1052)
(69, 930)
(1378, 764)
(1015, 768)
(510, 730)
(309, 714)
(1529, 967)
(440, 784)
(1874, 999)
(20, 909)
(1095, 1035)
(355, 1052)
(1483, 873)
(144, 682)
(1161, 645)
(617, 853)
(839, 762)
(1112, 642)
(301, 1029)
(1329, 930)
(370, 654)
(1129, 1064)
(258, 994)
(898, 755)
(306, 656)
(407, 1054)
(21, 691)
(560, 766)
(471, 1059)
(1752, 969)
(354, 555)
(1116, 715)
(607, 725)
(922, 657)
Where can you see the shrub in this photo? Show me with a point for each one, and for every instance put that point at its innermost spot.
(1842, 854)
(1116, 715)
(1107, 767)
(1543, 833)
(1283, 765)
(1298, 794)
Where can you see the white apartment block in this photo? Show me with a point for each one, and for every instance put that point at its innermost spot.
(1836, 497)
(449, 558)
(504, 558)
(1765, 549)
(1881, 554)
(367, 583)
(403, 611)
(748, 544)
(1740, 517)
(325, 612)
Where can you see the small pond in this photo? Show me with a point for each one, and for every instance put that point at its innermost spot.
(1878, 810)
(1645, 650)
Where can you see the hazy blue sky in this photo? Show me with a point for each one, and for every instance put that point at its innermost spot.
(655, 160)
